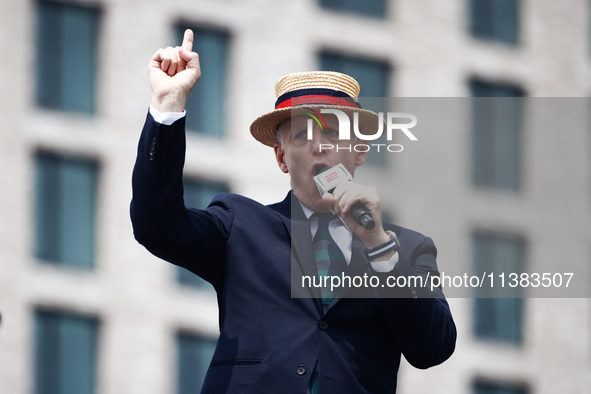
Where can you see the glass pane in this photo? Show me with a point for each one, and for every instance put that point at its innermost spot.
(495, 20)
(496, 135)
(78, 67)
(65, 210)
(373, 76)
(77, 355)
(206, 103)
(487, 89)
(65, 354)
(49, 50)
(194, 355)
(78, 201)
(47, 213)
(507, 144)
(498, 318)
(46, 353)
(66, 56)
(198, 194)
(374, 8)
(506, 17)
(480, 387)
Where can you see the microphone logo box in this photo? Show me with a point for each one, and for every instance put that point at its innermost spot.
(329, 179)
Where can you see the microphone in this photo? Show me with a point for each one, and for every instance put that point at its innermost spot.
(328, 178)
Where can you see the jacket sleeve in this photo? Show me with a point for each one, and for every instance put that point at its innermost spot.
(194, 239)
(420, 317)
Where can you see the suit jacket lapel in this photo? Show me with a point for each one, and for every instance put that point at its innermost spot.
(358, 266)
(302, 250)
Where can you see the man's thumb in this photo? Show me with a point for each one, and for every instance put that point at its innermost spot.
(191, 58)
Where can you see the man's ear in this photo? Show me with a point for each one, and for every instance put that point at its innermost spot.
(360, 158)
(280, 156)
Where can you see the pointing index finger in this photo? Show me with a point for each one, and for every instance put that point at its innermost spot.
(188, 40)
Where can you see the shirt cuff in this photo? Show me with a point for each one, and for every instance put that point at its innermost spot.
(166, 118)
(386, 265)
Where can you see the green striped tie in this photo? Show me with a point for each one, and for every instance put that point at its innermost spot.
(329, 261)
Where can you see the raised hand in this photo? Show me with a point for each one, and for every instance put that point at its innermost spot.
(173, 72)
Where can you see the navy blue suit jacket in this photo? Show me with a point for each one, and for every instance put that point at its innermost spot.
(270, 342)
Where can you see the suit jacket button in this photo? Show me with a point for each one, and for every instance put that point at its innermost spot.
(322, 324)
(301, 370)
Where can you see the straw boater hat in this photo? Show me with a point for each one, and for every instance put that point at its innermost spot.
(315, 90)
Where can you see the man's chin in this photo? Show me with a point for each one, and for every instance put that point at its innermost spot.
(318, 206)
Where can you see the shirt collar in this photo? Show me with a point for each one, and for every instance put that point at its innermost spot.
(307, 211)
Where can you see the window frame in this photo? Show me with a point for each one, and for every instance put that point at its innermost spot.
(62, 164)
(52, 90)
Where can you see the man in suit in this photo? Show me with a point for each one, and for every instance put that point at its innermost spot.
(274, 337)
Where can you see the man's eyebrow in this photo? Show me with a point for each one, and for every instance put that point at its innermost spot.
(298, 127)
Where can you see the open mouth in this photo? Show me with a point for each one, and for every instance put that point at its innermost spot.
(320, 168)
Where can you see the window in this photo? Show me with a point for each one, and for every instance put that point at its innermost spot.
(65, 210)
(372, 8)
(496, 20)
(489, 387)
(496, 135)
(194, 353)
(373, 77)
(198, 194)
(206, 103)
(65, 353)
(499, 318)
(67, 38)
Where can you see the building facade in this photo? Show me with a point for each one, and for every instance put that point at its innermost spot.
(85, 309)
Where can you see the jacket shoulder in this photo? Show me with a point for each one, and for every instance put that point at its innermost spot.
(241, 205)
(235, 200)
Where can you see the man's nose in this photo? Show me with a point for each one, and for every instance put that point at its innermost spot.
(318, 140)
